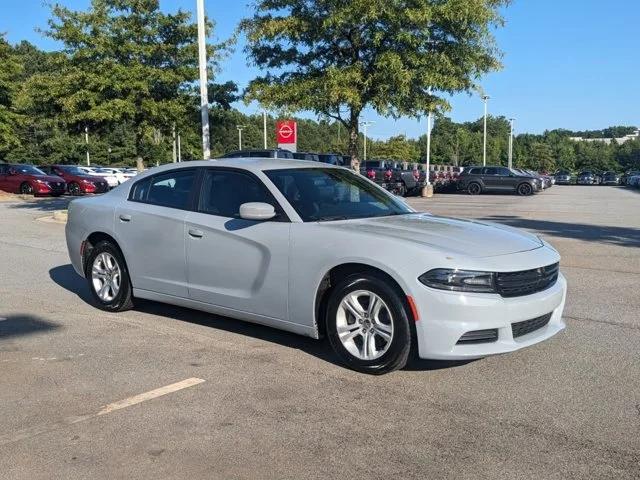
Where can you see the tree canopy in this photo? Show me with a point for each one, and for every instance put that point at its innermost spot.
(336, 58)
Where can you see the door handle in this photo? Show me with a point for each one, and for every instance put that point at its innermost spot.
(125, 218)
(196, 233)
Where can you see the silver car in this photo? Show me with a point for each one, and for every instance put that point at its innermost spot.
(320, 251)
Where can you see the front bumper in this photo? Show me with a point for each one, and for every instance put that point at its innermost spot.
(49, 188)
(446, 316)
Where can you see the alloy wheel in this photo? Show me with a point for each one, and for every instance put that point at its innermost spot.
(26, 189)
(106, 277)
(364, 325)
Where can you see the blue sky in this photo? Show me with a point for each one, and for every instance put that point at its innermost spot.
(567, 63)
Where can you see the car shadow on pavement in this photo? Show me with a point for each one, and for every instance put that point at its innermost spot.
(21, 325)
(42, 204)
(621, 236)
(66, 277)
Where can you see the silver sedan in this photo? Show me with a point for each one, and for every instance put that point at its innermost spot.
(320, 251)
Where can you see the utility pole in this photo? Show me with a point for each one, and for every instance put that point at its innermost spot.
(240, 128)
(173, 133)
(264, 128)
(204, 94)
(364, 125)
(179, 149)
(511, 120)
(485, 98)
(86, 140)
(429, 117)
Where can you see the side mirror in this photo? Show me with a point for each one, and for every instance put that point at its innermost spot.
(257, 211)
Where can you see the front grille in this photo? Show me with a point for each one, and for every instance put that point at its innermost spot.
(56, 185)
(479, 336)
(522, 328)
(526, 282)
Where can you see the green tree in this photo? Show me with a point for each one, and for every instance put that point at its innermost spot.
(125, 63)
(10, 70)
(336, 58)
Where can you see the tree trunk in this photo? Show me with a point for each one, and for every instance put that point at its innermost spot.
(353, 140)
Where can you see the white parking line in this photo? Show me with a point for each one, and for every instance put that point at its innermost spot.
(36, 430)
(143, 397)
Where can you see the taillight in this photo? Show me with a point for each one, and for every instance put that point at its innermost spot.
(371, 174)
(388, 174)
(416, 174)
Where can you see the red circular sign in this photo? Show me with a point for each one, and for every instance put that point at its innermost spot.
(286, 131)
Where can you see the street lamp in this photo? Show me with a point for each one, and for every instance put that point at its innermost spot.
(240, 128)
(86, 139)
(364, 125)
(429, 117)
(264, 127)
(511, 120)
(485, 98)
(204, 94)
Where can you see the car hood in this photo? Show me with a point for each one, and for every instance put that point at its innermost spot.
(456, 236)
(50, 178)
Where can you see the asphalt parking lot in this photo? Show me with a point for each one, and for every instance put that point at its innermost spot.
(165, 392)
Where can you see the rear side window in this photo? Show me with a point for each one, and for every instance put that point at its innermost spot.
(475, 171)
(172, 189)
(490, 171)
(223, 191)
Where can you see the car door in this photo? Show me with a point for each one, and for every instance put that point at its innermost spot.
(4, 173)
(151, 231)
(505, 181)
(491, 179)
(235, 263)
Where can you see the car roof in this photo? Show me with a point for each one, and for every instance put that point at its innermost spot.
(253, 164)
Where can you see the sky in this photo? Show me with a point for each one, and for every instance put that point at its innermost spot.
(570, 64)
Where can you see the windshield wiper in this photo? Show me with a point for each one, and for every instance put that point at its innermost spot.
(328, 218)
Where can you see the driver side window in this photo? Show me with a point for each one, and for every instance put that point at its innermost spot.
(223, 191)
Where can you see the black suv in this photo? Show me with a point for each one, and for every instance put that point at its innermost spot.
(610, 178)
(475, 180)
(268, 153)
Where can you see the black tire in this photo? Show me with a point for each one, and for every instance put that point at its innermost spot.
(524, 190)
(397, 354)
(474, 188)
(123, 300)
(74, 189)
(26, 189)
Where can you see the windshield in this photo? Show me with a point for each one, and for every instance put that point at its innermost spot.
(323, 194)
(27, 169)
(72, 170)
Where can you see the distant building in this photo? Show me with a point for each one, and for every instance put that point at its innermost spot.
(632, 136)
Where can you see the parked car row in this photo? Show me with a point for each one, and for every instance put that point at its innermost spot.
(592, 177)
(632, 179)
(56, 180)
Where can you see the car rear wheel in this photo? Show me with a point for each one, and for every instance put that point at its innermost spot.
(524, 189)
(474, 188)
(26, 189)
(368, 325)
(74, 189)
(108, 278)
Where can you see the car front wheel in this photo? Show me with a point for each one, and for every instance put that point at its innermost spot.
(368, 325)
(108, 278)
(26, 189)
(525, 189)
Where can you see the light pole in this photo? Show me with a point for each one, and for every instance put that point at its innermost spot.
(511, 120)
(86, 139)
(240, 128)
(179, 148)
(264, 128)
(429, 117)
(204, 94)
(364, 125)
(485, 98)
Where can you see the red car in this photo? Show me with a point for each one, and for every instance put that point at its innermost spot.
(78, 181)
(29, 180)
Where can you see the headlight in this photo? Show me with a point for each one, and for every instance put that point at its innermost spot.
(44, 182)
(459, 280)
